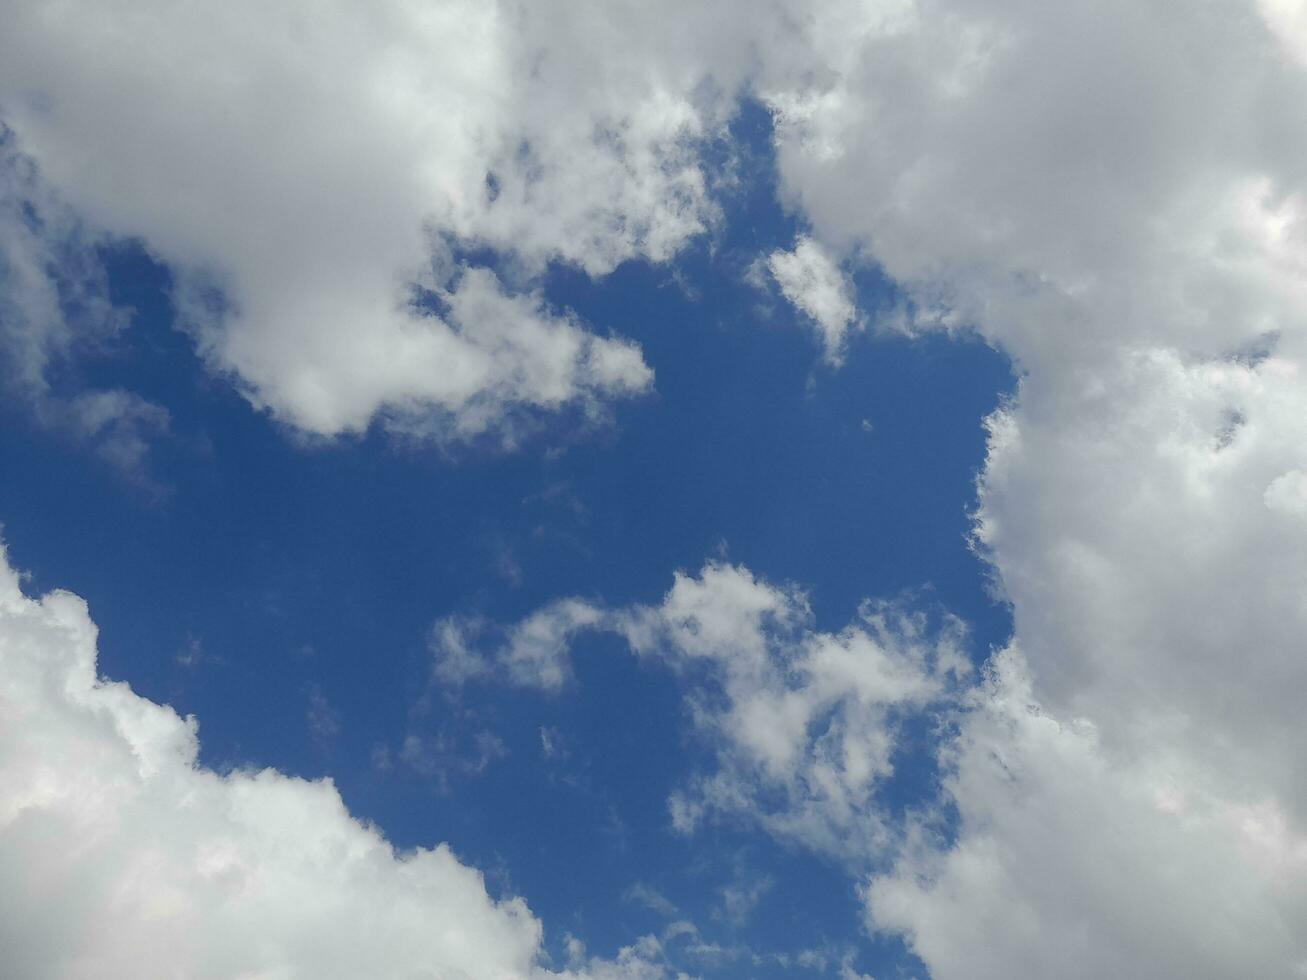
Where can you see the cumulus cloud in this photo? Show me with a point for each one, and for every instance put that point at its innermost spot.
(1071, 863)
(1061, 178)
(306, 167)
(533, 652)
(803, 723)
(814, 284)
(118, 849)
(1130, 785)
(303, 168)
(1145, 531)
(1113, 195)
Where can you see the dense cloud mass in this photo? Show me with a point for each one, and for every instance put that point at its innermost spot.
(1112, 193)
(1071, 862)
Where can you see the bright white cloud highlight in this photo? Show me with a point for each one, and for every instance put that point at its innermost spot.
(1288, 19)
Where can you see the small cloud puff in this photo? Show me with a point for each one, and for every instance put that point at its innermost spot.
(810, 278)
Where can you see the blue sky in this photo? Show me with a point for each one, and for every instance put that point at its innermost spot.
(644, 492)
(245, 578)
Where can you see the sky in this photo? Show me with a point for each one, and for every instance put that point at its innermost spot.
(631, 492)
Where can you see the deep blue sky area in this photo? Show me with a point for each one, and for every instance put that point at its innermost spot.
(261, 576)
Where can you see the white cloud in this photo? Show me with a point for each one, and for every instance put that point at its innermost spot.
(1131, 791)
(803, 723)
(455, 657)
(740, 898)
(813, 283)
(1130, 848)
(1071, 863)
(534, 652)
(310, 164)
(118, 849)
(1288, 20)
(639, 961)
(1063, 177)
(312, 161)
(1154, 590)
(1111, 192)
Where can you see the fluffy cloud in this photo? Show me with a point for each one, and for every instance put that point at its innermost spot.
(1072, 863)
(1130, 786)
(804, 723)
(118, 849)
(533, 652)
(1144, 526)
(810, 280)
(309, 170)
(309, 165)
(1063, 178)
